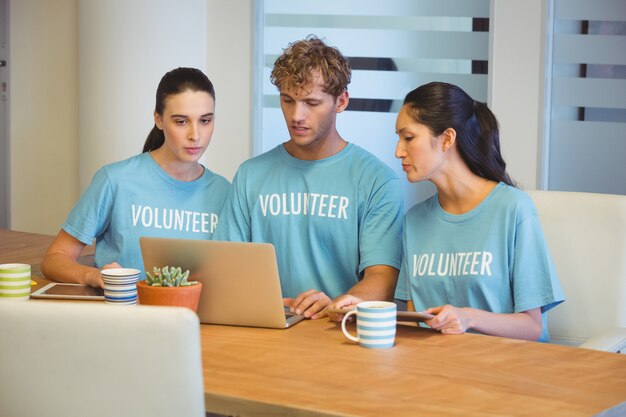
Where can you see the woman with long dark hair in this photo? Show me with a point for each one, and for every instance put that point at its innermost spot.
(163, 192)
(474, 253)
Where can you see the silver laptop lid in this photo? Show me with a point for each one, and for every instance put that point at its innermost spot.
(241, 285)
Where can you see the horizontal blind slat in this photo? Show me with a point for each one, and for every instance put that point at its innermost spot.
(392, 85)
(388, 43)
(587, 130)
(589, 92)
(577, 144)
(590, 49)
(438, 23)
(609, 10)
(475, 8)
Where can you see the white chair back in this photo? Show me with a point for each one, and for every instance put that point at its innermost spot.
(586, 235)
(62, 359)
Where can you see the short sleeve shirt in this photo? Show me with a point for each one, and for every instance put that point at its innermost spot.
(328, 219)
(494, 257)
(134, 198)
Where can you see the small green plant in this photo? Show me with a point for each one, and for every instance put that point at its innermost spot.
(169, 277)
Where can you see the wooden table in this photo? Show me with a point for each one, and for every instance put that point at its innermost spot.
(22, 247)
(29, 248)
(312, 370)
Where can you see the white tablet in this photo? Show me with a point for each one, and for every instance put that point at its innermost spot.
(68, 291)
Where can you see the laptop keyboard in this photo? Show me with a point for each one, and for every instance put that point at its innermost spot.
(288, 313)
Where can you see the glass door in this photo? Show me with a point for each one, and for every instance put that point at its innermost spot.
(587, 100)
(393, 47)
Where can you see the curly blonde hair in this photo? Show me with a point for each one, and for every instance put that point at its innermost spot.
(302, 60)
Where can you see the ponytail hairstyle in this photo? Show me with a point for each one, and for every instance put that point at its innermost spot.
(175, 82)
(441, 106)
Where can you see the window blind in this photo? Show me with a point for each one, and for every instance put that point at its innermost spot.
(587, 133)
(393, 47)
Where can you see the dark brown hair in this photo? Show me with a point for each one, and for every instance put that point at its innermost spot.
(440, 106)
(174, 82)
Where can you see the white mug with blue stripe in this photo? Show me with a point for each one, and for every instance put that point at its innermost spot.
(120, 285)
(375, 324)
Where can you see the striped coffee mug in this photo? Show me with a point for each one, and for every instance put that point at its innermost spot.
(14, 281)
(375, 324)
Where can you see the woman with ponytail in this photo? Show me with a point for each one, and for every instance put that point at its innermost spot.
(162, 192)
(474, 253)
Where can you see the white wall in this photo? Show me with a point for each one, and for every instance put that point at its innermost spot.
(43, 112)
(230, 32)
(125, 48)
(83, 79)
(516, 84)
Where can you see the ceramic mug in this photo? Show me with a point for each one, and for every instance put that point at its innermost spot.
(15, 281)
(375, 324)
(120, 285)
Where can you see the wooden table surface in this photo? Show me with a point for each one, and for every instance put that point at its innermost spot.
(22, 247)
(29, 248)
(313, 370)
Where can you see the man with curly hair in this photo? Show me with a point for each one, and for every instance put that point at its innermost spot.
(332, 210)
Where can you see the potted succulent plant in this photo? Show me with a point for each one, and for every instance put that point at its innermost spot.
(168, 286)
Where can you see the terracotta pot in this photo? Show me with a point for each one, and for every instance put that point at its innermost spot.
(188, 296)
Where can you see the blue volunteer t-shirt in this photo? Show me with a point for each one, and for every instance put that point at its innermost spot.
(328, 219)
(134, 198)
(493, 257)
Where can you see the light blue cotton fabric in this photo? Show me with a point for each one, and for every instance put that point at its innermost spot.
(492, 258)
(134, 198)
(328, 219)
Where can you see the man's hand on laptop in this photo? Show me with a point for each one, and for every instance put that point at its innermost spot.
(310, 304)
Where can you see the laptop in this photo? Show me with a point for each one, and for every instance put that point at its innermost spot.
(240, 281)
